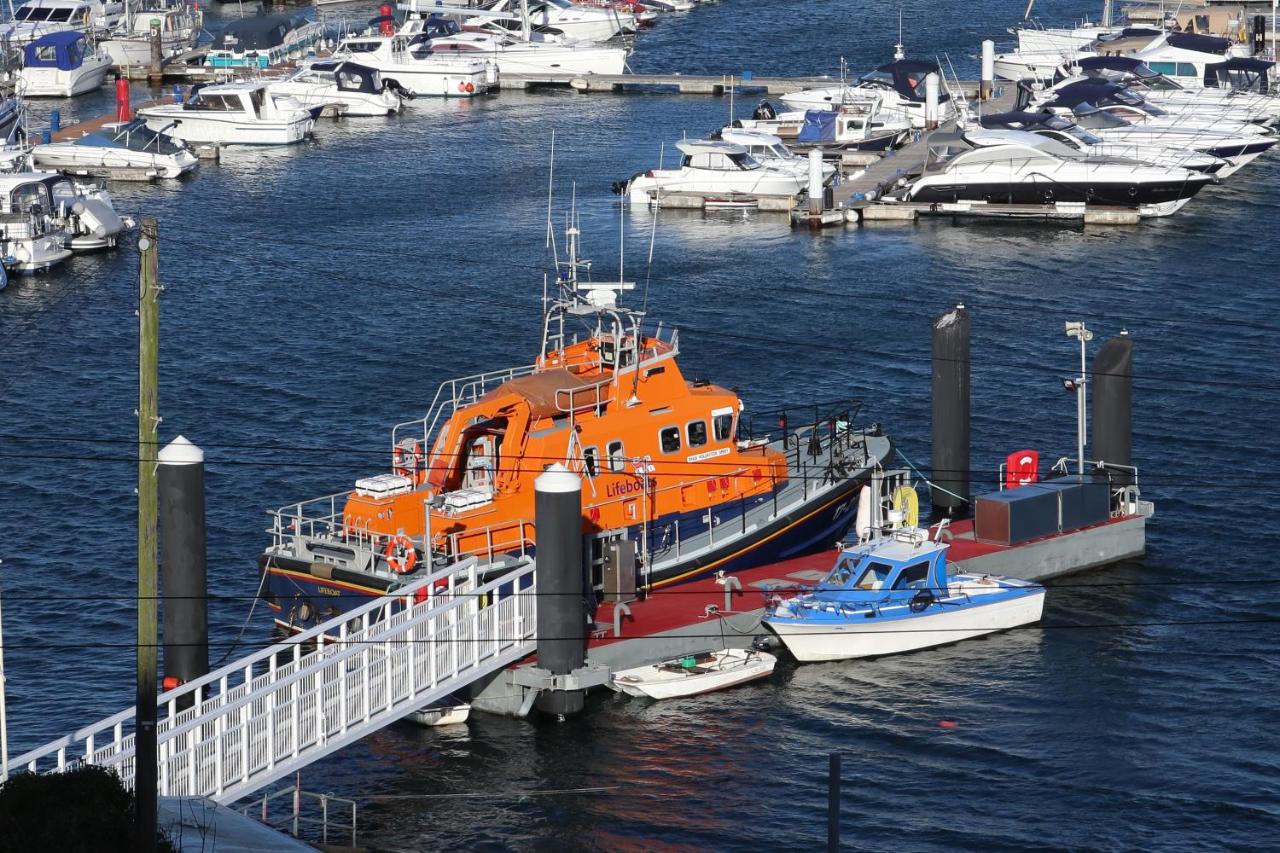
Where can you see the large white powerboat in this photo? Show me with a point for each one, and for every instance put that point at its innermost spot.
(512, 54)
(409, 61)
(130, 43)
(856, 125)
(578, 23)
(899, 87)
(1019, 168)
(1130, 106)
(721, 172)
(771, 152)
(37, 18)
(62, 65)
(353, 89)
(1240, 85)
(243, 113)
(32, 237)
(128, 150)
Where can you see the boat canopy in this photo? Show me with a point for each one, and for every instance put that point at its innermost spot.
(905, 568)
(906, 77)
(750, 136)
(262, 32)
(351, 76)
(1021, 120)
(1199, 43)
(1100, 94)
(819, 126)
(1240, 72)
(708, 146)
(63, 50)
(132, 135)
(1122, 64)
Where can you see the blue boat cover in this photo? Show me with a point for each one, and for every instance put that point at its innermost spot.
(819, 126)
(62, 50)
(1110, 63)
(1196, 41)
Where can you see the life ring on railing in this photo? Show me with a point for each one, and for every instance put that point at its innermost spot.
(907, 502)
(1021, 468)
(400, 554)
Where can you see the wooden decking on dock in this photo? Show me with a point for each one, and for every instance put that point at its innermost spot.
(75, 131)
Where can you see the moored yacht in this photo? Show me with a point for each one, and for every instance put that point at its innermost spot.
(130, 42)
(856, 125)
(721, 172)
(677, 481)
(899, 86)
(515, 53)
(409, 62)
(1019, 168)
(62, 65)
(264, 41)
(36, 18)
(354, 89)
(117, 149)
(575, 22)
(233, 114)
(32, 237)
(771, 152)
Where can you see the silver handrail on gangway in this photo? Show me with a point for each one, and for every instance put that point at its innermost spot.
(259, 719)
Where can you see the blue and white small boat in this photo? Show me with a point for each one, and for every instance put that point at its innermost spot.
(895, 595)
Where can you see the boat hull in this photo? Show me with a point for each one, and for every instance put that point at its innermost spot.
(825, 640)
(658, 681)
(1159, 197)
(83, 160)
(189, 126)
(56, 83)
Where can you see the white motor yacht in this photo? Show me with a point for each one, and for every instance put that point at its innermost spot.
(265, 41)
(771, 152)
(1240, 86)
(899, 87)
(243, 113)
(574, 22)
(352, 89)
(37, 18)
(1010, 167)
(861, 125)
(127, 150)
(410, 62)
(32, 237)
(130, 43)
(512, 54)
(62, 65)
(721, 172)
(1129, 106)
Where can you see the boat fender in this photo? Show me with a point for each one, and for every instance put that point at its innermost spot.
(921, 601)
(400, 554)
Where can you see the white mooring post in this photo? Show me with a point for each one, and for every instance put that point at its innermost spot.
(815, 182)
(931, 101)
(988, 84)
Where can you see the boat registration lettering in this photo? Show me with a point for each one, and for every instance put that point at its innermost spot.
(710, 454)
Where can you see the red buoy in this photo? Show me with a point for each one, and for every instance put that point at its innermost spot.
(387, 23)
(947, 724)
(123, 111)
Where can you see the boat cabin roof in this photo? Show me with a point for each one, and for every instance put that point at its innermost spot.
(708, 146)
(62, 50)
(905, 565)
(745, 137)
(237, 87)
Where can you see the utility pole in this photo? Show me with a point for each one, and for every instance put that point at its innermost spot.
(1080, 331)
(145, 783)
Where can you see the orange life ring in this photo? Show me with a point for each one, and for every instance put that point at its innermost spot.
(400, 554)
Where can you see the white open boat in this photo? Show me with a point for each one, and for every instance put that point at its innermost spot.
(445, 714)
(244, 113)
(700, 673)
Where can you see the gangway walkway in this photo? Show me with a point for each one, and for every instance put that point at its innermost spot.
(259, 719)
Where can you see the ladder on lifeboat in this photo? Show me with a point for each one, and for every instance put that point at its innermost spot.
(273, 712)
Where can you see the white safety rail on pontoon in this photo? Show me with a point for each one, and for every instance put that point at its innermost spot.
(271, 713)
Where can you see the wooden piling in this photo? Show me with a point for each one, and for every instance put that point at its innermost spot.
(155, 74)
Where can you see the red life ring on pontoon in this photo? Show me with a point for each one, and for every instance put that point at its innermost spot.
(1020, 468)
(400, 554)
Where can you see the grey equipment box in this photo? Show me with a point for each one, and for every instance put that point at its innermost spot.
(620, 570)
(1084, 502)
(1016, 515)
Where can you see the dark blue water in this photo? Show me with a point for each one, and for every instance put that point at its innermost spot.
(317, 295)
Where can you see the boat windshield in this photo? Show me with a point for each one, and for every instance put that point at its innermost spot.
(136, 136)
(361, 46)
(873, 576)
(64, 194)
(841, 574)
(719, 162)
(1089, 116)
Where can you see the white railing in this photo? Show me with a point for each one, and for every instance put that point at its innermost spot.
(273, 712)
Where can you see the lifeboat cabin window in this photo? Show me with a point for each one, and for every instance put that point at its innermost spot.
(617, 457)
(590, 457)
(873, 576)
(913, 577)
(696, 432)
(722, 425)
(669, 439)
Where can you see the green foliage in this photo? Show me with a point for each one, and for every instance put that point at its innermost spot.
(85, 809)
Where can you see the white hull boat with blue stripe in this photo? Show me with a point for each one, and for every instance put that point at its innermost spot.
(896, 596)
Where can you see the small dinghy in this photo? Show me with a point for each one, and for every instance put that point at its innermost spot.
(694, 674)
(446, 712)
(895, 595)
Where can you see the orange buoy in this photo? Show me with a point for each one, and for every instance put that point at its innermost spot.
(400, 554)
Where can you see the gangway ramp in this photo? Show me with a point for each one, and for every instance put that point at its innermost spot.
(273, 712)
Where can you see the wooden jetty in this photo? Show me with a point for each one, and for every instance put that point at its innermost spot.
(685, 84)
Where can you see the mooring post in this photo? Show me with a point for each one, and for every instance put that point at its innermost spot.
(1113, 406)
(950, 428)
(931, 89)
(148, 423)
(562, 624)
(988, 84)
(815, 184)
(155, 74)
(182, 562)
(833, 803)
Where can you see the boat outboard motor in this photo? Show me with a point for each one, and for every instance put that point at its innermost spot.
(620, 187)
(764, 112)
(98, 217)
(395, 86)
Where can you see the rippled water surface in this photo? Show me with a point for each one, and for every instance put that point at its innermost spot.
(316, 295)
